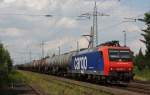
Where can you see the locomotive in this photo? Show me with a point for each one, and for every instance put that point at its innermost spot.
(109, 62)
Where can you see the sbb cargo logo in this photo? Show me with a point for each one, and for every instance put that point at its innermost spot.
(80, 63)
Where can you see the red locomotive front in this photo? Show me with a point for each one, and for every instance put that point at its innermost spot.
(118, 63)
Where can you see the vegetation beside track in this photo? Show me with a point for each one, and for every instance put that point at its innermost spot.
(8, 82)
(5, 66)
(143, 75)
(8, 76)
(141, 60)
(55, 87)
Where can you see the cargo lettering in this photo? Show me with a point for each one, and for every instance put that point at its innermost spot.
(80, 63)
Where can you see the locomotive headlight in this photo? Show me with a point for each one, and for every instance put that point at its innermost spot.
(129, 69)
(111, 69)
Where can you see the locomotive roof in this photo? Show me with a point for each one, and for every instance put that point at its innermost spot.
(115, 47)
(82, 50)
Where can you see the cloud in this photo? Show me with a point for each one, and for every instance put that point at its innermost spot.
(8, 1)
(68, 41)
(83, 43)
(56, 43)
(35, 4)
(66, 23)
(109, 4)
(132, 28)
(135, 46)
(10, 32)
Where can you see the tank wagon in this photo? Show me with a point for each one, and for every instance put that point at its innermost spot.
(108, 61)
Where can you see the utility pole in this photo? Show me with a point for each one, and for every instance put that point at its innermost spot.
(25, 59)
(95, 28)
(91, 42)
(95, 14)
(77, 45)
(30, 55)
(42, 45)
(125, 38)
(130, 20)
(59, 50)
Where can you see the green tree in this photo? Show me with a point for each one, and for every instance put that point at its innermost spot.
(139, 60)
(5, 62)
(146, 40)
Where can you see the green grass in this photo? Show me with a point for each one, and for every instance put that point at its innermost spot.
(7, 82)
(10, 78)
(55, 87)
(143, 75)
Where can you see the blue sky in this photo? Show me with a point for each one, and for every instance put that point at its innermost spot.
(139, 4)
(22, 33)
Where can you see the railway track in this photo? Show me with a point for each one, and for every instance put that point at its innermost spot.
(134, 86)
(21, 88)
(142, 87)
(142, 82)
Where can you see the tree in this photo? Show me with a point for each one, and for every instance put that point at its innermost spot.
(146, 40)
(5, 62)
(139, 60)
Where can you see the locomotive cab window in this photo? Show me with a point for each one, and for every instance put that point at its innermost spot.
(116, 55)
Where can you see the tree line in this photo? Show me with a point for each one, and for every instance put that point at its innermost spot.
(141, 60)
(5, 63)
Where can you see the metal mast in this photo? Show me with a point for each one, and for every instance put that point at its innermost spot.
(95, 28)
(91, 42)
(59, 50)
(125, 38)
(30, 55)
(42, 46)
(94, 32)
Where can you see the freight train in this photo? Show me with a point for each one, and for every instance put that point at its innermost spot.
(107, 62)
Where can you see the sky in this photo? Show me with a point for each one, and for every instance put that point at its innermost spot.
(24, 26)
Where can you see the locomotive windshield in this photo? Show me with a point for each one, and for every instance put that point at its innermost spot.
(123, 55)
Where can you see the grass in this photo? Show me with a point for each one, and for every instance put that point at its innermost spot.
(143, 75)
(10, 78)
(7, 82)
(55, 87)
